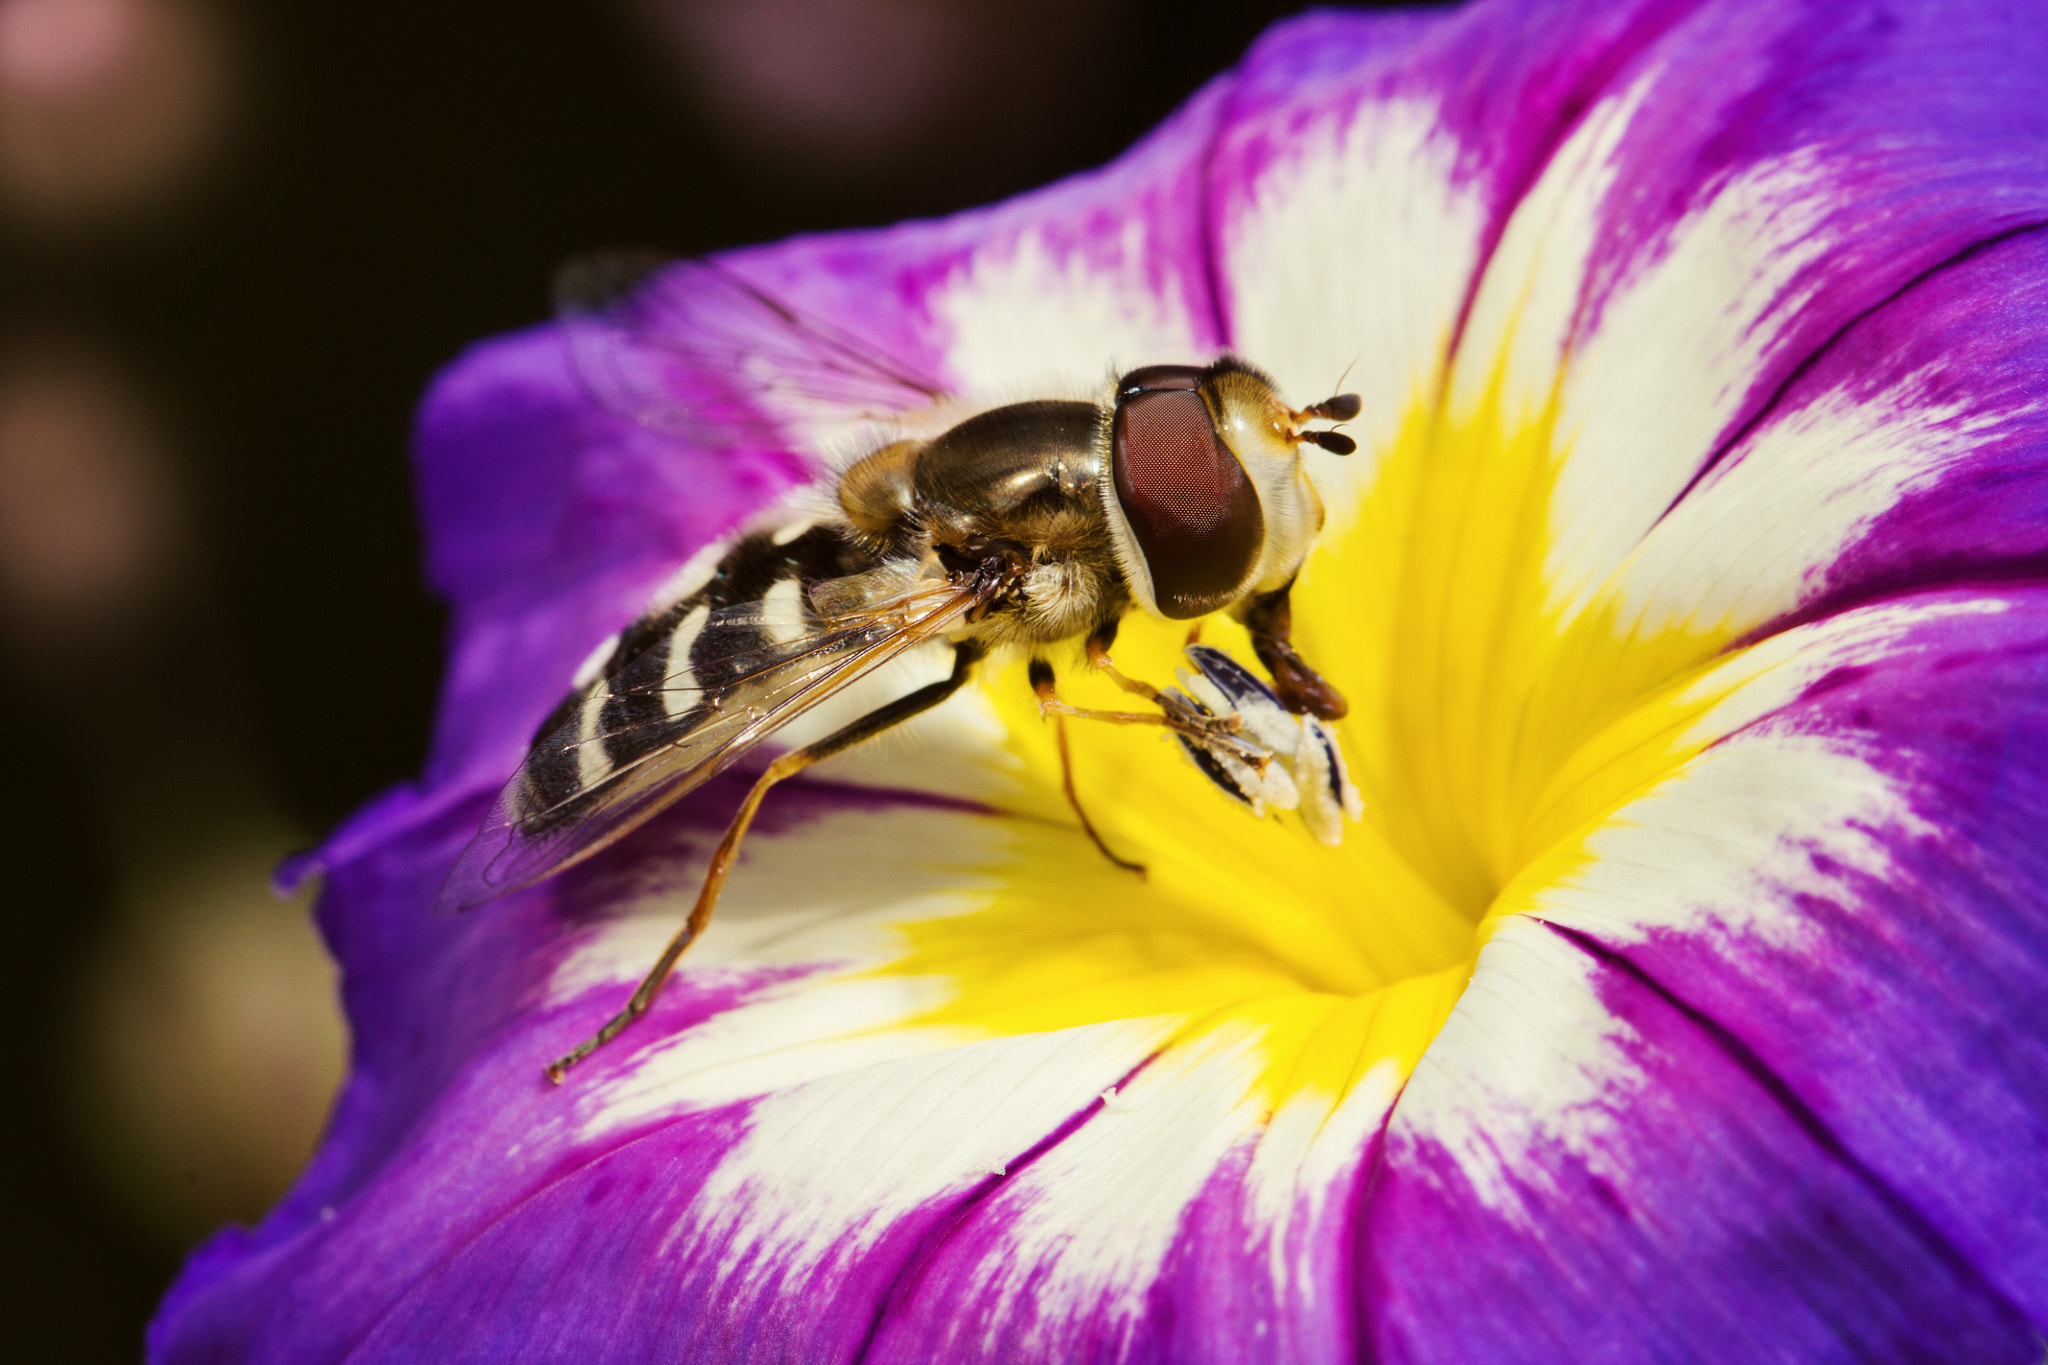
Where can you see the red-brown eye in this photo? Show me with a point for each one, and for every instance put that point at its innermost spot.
(1194, 514)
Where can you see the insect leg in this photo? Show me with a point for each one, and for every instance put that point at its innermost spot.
(1098, 657)
(1041, 683)
(790, 764)
(1301, 689)
(1179, 717)
(1176, 714)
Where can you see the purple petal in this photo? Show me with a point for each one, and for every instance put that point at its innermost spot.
(1686, 1208)
(1760, 1076)
(1885, 968)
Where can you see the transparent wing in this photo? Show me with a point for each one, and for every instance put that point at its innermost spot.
(690, 348)
(656, 731)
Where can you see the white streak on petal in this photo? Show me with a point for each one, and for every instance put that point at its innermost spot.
(1031, 325)
(1759, 533)
(1091, 1222)
(1774, 672)
(959, 749)
(1670, 360)
(1528, 300)
(1726, 847)
(1646, 386)
(1723, 844)
(781, 909)
(1313, 1142)
(1354, 254)
(789, 1036)
(829, 1166)
(1528, 1058)
(827, 896)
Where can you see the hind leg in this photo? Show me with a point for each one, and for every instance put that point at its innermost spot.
(1042, 685)
(789, 765)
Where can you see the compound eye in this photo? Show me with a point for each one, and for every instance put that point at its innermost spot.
(1192, 510)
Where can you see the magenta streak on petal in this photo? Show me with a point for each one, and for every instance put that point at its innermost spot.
(1573, 104)
(1788, 1099)
(1217, 1300)
(1209, 248)
(1942, 940)
(426, 1194)
(1370, 1171)
(1508, 102)
(667, 1312)
(1769, 407)
(1926, 134)
(406, 1327)
(1971, 334)
(908, 1334)
(904, 1283)
(730, 1126)
(1684, 1216)
(1939, 576)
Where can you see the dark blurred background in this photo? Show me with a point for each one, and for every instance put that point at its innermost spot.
(235, 242)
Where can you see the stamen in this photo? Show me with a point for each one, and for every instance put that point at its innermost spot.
(1309, 775)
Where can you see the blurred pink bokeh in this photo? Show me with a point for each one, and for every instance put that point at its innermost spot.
(847, 86)
(105, 105)
(86, 521)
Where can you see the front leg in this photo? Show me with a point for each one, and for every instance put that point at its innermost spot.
(1301, 689)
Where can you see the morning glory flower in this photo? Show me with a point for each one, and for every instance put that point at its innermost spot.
(1678, 994)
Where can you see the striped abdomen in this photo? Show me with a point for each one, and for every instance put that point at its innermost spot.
(664, 675)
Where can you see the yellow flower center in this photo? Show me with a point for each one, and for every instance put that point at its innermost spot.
(1488, 736)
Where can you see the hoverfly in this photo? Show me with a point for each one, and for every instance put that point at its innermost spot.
(1179, 492)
